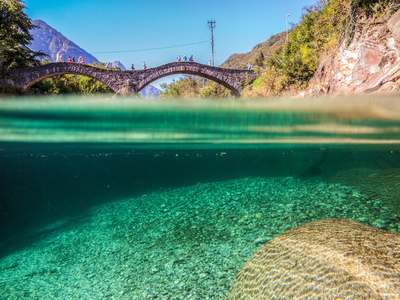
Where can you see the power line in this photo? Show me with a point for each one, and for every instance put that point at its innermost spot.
(212, 26)
(204, 33)
(205, 47)
(150, 49)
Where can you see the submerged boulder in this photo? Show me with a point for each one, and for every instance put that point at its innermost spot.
(327, 259)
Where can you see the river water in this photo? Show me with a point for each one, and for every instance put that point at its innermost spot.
(135, 199)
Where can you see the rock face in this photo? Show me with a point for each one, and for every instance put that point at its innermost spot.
(328, 259)
(51, 42)
(371, 63)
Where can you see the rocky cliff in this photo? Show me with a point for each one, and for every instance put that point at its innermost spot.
(52, 42)
(371, 63)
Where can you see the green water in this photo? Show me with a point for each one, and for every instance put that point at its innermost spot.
(191, 188)
(210, 124)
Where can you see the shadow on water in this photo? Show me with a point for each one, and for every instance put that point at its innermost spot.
(42, 187)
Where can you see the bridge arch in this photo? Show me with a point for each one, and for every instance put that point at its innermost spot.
(29, 76)
(222, 76)
(29, 84)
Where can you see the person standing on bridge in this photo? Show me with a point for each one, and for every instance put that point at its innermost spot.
(191, 58)
(144, 66)
(178, 58)
(185, 58)
(60, 58)
(133, 67)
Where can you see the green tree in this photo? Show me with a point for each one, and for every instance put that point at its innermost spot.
(185, 87)
(260, 60)
(88, 85)
(194, 87)
(215, 90)
(15, 36)
(70, 84)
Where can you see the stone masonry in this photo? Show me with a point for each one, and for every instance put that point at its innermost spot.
(130, 81)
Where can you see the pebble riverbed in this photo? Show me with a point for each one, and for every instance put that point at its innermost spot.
(184, 243)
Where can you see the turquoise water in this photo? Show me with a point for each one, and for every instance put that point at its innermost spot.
(205, 124)
(136, 199)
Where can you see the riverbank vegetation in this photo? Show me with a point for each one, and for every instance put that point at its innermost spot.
(322, 29)
(194, 87)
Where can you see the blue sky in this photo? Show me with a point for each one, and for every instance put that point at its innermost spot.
(122, 25)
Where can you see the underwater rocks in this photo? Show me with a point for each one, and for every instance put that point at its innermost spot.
(183, 243)
(329, 259)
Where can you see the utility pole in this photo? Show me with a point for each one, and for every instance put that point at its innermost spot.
(212, 26)
(287, 29)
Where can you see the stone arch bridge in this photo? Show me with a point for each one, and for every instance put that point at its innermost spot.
(130, 81)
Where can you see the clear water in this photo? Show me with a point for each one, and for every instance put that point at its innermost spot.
(137, 199)
(205, 124)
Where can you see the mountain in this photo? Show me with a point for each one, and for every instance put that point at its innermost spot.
(241, 60)
(118, 64)
(150, 92)
(52, 42)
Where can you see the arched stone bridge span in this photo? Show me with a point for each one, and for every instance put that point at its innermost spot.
(131, 81)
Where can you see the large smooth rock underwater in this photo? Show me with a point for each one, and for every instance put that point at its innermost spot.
(327, 259)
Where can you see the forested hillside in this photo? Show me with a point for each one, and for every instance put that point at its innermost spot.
(323, 28)
(267, 48)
